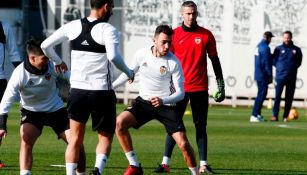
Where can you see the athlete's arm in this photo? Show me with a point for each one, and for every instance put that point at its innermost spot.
(113, 54)
(123, 77)
(48, 47)
(178, 83)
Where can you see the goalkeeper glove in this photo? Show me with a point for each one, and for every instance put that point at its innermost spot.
(219, 96)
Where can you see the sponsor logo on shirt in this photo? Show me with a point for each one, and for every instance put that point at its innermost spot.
(197, 40)
(162, 70)
(85, 43)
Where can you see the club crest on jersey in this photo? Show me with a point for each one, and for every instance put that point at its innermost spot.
(197, 40)
(162, 70)
(294, 51)
(47, 76)
(144, 64)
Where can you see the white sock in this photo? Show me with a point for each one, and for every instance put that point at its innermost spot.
(71, 168)
(131, 156)
(203, 163)
(166, 160)
(25, 172)
(101, 161)
(83, 173)
(194, 171)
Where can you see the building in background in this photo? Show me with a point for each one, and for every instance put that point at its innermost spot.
(236, 24)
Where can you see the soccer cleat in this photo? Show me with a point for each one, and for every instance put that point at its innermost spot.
(2, 164)
(206, 169)
(133, 170)
(95, 171)
(256, 119)
(162, 168)
(285, 119)
(274, 119)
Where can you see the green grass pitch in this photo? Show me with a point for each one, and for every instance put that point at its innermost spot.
(236, 146)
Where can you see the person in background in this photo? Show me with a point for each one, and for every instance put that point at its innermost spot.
(287, 58)
(7, 42)
(263, 74)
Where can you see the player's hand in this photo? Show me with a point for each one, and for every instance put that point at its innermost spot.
(130, 80)
(2, 133)
(61, 67)
(156, 101)
(219, 96)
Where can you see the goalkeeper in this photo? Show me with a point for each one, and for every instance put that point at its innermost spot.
(34, 83)
(191, 45)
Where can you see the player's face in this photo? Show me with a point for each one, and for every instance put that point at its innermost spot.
(162, 43)
(189, 15)
(39, 61)
(287, 38)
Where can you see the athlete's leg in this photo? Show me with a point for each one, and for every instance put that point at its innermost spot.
(278, 91)
(82, 158)
(199, 106)
(186, 149)
(169, 141)
(75, 144)
(261, 95)
(290, 89)
(123, 122)
(28, 136)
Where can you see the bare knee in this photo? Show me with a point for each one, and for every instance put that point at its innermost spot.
(184, 145)
(120, 125)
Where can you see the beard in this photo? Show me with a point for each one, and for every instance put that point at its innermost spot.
(107, 16)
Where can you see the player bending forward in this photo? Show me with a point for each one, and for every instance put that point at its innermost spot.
(34, 83)
(161, 86)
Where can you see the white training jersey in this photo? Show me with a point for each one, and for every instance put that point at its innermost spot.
(158, 76)
(10, 46)
(37, 93)
(89, 70)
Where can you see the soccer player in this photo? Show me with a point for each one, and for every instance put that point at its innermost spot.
(161, 86)
(95, 49)
(263, 74)
(191, 44)
(287, 58)
(34, 83)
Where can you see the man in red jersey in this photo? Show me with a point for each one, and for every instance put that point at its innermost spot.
(191, 45)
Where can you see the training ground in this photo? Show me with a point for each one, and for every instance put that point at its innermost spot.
(236, 146)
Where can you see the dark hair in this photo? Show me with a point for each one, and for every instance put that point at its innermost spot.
(97, 4)
(33, 46)
(289, 33)
(189, 4)
(164, 29)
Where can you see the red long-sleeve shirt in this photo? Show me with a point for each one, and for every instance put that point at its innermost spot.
(191, 48)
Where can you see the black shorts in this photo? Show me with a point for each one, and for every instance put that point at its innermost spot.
(57, 120)
(100, 104)
(143, 111)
